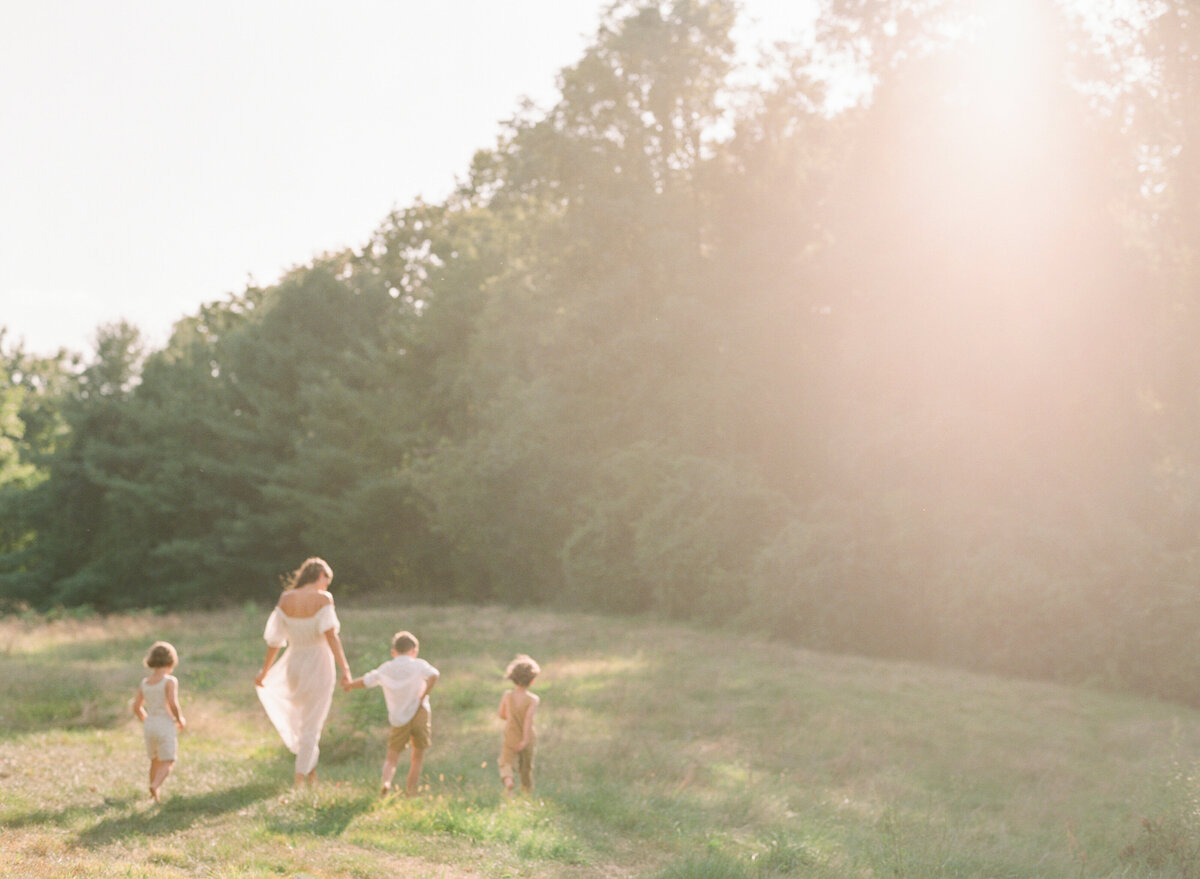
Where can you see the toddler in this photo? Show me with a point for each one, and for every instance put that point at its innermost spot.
(517, 707)
(156, 705)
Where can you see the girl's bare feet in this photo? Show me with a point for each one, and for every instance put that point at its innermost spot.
(154, 795)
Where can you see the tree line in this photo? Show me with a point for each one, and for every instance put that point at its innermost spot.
(912, 375)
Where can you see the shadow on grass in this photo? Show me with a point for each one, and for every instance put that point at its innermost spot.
(177, 813)
(323, 819)
(63, 817)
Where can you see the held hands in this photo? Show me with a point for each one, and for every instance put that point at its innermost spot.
(258, 681)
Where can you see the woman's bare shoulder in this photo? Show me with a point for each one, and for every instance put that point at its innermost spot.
(304, 604)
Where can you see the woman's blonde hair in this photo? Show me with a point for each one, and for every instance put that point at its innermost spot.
(308, 572)
(161, 655)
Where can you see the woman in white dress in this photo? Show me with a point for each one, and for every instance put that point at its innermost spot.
(298, 689)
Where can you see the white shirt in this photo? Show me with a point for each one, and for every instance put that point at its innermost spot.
(403, 679)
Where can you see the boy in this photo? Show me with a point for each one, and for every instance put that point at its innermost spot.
(517, 707)
(406, 682)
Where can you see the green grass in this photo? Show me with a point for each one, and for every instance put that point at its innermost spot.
(664, 751)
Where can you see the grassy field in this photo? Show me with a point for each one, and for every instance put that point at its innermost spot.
(664, 751)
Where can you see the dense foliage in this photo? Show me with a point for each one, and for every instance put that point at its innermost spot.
(914, 377)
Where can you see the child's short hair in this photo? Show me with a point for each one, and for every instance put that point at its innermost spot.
(522, 670)
(161, 655)
(402, 642)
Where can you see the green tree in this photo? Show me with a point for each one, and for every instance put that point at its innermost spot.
(31, 427)
(570, 348)
(65, 510)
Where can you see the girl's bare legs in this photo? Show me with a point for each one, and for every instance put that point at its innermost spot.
(159, 770)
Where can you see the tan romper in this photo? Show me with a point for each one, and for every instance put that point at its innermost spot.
(514, 731)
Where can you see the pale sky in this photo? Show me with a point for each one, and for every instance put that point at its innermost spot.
(157, 155)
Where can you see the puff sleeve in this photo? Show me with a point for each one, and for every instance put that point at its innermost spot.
(327, 619)
(275, 633)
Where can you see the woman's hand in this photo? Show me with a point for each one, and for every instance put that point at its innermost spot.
(272, 652)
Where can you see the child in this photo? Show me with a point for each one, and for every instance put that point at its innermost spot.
(156, 705)
(406, 682)
(517, 707)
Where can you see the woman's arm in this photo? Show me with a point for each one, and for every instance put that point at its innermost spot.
(272, 652)
(335, 644)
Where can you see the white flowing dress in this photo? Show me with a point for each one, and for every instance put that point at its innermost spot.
(298, 689)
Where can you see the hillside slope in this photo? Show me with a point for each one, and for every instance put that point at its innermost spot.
(663, 751)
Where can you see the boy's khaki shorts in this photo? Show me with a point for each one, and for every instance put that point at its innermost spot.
(418, 730)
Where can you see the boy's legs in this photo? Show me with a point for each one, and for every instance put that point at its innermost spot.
(398, 740)
(389, 769)
(507, 758)
(422, 738)
(525, 768)
(417, 733)
(414, 769)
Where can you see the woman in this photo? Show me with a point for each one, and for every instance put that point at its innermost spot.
(298, 690)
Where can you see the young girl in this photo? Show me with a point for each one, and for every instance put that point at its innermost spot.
(517, 708)
(156, 705)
